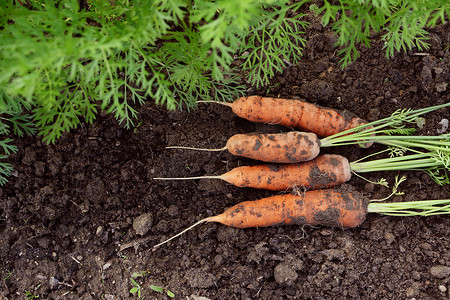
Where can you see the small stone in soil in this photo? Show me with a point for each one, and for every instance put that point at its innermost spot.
(218, 260)
(106, 266)
(99, 230)
(143, 223)
(326, 232)
(53, 282)
(195, 297)
(444, 126)
(284, 273)
(440, 271)
(441, 87)
(40, 277)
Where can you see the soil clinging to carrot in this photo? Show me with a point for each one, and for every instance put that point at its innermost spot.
(329, 217)
(318, 178)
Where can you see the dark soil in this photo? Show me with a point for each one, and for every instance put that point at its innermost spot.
(78, 218)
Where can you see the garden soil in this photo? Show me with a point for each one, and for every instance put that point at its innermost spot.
(80, 217)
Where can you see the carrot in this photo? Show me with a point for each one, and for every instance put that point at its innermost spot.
(325, 171)
(330, 170)
(350, 131)
(293, 114)
(289, 147)
(328, 207)
(342, 207)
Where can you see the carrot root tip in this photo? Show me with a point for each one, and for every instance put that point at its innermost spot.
(198, 149)
(209, 219)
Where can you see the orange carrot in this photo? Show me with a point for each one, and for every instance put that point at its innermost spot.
(328, 207)
(325, 171)
(289, 147)
(294, 114)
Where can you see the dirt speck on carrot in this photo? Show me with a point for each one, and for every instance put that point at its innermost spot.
(318, 178)
(329, 217)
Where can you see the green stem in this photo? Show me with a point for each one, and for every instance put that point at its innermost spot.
(406, 162)
(383, 137)
(435, 163)
(412, 208)
(370, 131)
